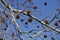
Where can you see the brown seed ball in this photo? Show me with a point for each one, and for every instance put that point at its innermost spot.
(46, 21)
(5, 28)
(26, 23)
(22, 20)
(28, 11)
(45, 36)
(17, 16)
(38, 27)
(34, 7)
(45, 3)
(56, 24)
(30, 20)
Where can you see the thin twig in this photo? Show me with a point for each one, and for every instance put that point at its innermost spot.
(49, 26)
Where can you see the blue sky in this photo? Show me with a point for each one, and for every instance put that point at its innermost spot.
(41, 12)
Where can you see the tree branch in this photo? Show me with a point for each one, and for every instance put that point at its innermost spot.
(36, 35)
(13, 19)
(25, 13)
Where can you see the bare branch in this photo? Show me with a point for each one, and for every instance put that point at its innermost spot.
(36, 35)
(54, 17)
(4, 3)
(13, 19)
(15, 24)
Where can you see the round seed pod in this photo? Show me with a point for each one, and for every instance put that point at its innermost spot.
(45, 3)
(26, 23)
(45, 36)
(28, 12)
(56, 24)
(17, 16)
(34, 7)
(30, 20)
(46, 21)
